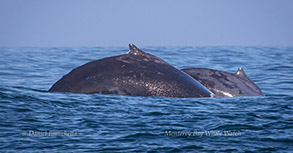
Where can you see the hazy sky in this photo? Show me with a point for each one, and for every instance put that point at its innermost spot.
(146, 22)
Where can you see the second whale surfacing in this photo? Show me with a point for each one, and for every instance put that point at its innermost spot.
(224, 84)
(134, 73)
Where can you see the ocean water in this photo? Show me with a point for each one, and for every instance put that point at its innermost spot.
(35, 120)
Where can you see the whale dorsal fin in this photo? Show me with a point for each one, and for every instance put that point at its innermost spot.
(134, 50)
(240, 72)
(132, 47)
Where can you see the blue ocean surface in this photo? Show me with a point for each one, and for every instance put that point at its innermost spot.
(35, 120)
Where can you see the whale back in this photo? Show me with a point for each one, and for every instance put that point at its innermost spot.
(224, 84)
(134, 73)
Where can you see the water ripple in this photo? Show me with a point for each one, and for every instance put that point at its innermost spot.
(35, 120)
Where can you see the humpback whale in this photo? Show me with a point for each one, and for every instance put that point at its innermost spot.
(224, 84)
(134, 73)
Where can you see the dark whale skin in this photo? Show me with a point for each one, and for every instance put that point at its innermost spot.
(224, 84)
(134, 73)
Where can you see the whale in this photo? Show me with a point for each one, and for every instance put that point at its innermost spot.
(225, 84)
(135, 73)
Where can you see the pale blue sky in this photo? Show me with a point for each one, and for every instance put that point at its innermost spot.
(146, 22)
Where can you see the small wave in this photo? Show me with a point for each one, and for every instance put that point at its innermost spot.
(237, 127)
